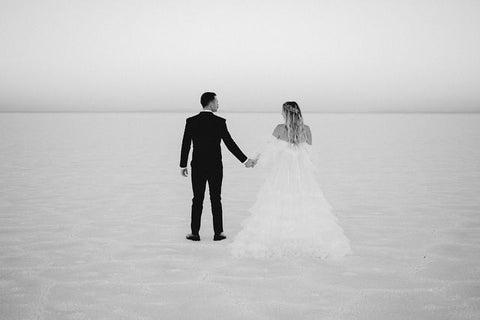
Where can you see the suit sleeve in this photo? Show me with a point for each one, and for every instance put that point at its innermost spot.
(186, 142)
(231, 145)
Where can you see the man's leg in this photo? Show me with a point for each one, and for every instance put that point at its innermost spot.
(199, 180)
(215, 178)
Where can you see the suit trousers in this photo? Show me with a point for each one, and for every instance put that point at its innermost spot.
(200, 176)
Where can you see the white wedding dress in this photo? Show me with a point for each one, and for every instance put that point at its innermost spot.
(291, 216)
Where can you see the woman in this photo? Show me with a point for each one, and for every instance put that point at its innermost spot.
(291, 216)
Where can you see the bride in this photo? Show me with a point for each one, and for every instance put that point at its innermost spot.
(291, 216)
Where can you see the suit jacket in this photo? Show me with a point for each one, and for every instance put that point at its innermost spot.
(206, 130)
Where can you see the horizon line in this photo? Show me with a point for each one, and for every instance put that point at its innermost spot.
(232, 111)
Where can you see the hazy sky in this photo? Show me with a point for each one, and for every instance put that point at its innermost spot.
(154, 55)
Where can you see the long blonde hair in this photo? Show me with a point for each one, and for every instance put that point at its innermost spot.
(296, 132)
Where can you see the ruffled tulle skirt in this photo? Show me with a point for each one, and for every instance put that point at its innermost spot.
(291, 216)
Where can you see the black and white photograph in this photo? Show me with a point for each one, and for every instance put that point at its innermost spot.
(239, 160)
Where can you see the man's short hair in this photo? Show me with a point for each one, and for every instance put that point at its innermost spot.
(206, 98)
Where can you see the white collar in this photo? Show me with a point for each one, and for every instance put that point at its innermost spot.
(206, 110)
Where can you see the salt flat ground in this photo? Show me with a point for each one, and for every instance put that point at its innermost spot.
(94, 212)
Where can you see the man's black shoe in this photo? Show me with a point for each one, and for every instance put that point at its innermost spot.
(193, 237)
(218, 237)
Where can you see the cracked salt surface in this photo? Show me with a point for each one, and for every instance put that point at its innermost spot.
(94, 212)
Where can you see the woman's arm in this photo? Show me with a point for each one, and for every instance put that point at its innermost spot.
(267, 143)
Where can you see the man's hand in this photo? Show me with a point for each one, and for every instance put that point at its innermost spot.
(250, 163)
(184, 172)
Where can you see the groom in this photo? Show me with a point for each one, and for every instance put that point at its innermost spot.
(206, 130)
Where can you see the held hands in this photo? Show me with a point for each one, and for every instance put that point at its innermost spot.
(251, 163)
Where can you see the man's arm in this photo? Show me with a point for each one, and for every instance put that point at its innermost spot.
(231, 145)
(186, 142)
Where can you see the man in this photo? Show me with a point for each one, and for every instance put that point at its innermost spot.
(206, 130)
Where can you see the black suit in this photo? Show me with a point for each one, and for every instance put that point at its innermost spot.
(206, 130)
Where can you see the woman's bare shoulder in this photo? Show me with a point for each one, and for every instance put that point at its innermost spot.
(278, 131)
(279, 127)
(309, 134)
